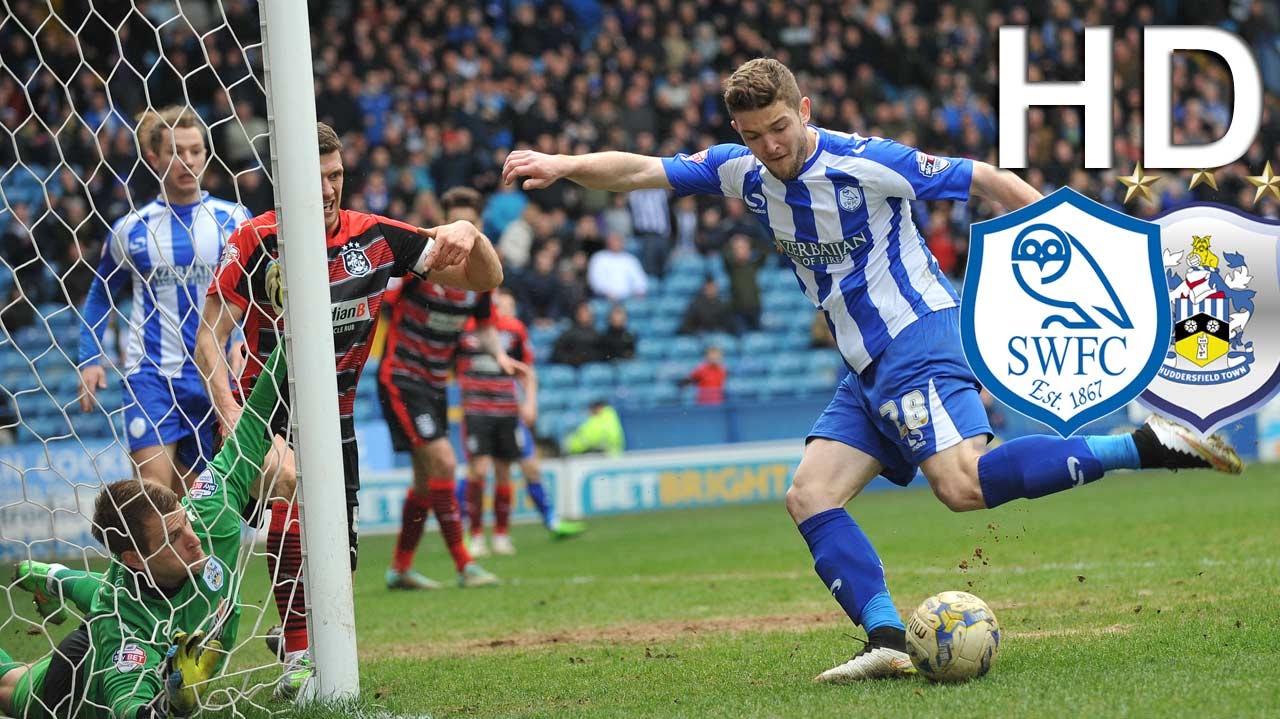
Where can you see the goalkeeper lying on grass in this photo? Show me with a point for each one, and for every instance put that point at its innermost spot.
(158, 620)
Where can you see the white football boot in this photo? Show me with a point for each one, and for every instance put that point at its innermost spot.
(502, 544)
(870, 663)
(476, 546)
(1164, 443)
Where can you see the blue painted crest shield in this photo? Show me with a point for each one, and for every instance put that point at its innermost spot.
(1222, 358)
(1065, 316)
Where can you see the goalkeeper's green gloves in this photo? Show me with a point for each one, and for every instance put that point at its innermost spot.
(190, 661)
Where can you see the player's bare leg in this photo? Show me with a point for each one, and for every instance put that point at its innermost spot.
(502, 492)
(478, 471)
(829, 476)
(159, 463)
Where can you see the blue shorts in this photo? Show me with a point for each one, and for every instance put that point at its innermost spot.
(916, 399)
(160, 410)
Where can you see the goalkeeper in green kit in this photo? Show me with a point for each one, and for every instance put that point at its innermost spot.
(158, 621)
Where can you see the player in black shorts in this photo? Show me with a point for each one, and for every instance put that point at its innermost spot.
(495, 420)
(422, 340)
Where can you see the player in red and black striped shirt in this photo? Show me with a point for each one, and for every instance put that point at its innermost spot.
(495, 428)
(365, 252)
(422, 342)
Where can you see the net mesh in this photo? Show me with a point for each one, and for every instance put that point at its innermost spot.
(78, 220)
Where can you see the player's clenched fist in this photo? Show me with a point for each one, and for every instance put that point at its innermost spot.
(451, 244)
(540, 169)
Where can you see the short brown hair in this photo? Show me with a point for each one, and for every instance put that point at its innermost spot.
(122, 510)
(153, 122)
(462, 197)
(760, 83)
(329, 140)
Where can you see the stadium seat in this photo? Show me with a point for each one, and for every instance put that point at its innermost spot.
(670, 306)
(551, 400)
(787, 364)
(688, 264)
(682, 286)
(673, 371)
(557, 375)
(636, 372)
(727, 343)
(597, 374)
(747, 365)
(743, 388)
(650, 347)
(664, 326)
(684, 347)
(757, 343)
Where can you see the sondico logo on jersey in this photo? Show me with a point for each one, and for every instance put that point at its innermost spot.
(350, 313)
(1065, 313)
(1222, 360)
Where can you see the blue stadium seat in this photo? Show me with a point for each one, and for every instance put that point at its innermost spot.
(787, 364)
(549, 423)
(684, 347)
(636, 372)
(673, 371)
(687, 264)
(649, 346)
(747, 365)
(776, 386)
(551, 400)
(682, 286)
(727, 343)
(743, 388)
(639, 307)
(664, 326)
(543, 335)
(557, 375)
(777, 318)
(776, 278)
(670, 306)
(597, 374)
(757, 343)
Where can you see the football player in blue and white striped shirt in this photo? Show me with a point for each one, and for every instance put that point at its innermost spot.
(168, 250)
(838, 206)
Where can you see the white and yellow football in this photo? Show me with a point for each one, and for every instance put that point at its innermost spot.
(952, 637)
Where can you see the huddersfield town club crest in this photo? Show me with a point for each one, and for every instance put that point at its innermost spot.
(355, 260)
(1065, 315)
(1222, 360)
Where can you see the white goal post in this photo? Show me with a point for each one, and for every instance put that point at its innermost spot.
(309, 333)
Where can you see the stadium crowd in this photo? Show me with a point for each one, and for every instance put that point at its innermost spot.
(431, 94)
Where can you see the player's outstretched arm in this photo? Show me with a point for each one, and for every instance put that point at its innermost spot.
(460, 256)
(1002, 186)
(611, 171)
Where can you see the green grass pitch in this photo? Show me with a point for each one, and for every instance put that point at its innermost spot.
(1148, 595)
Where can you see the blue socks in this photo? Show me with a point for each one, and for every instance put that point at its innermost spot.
(539, 498)
(850, 568)
(1039, 465)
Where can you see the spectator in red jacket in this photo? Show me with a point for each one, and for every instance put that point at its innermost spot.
(709, 377)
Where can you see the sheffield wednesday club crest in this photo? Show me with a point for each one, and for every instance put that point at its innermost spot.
(1222, 271)
(1065, 315)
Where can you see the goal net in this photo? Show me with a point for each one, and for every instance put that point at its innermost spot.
(109, 238)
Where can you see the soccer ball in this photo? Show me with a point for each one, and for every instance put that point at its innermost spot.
(953, 636)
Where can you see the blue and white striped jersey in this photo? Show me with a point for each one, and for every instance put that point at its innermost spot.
(845, 223)
(169, 253)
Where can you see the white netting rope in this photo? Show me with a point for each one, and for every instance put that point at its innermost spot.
(74, 75)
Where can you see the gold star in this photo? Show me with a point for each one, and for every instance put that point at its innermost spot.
(1203, 177)
(1266, 182)
(1137, 183)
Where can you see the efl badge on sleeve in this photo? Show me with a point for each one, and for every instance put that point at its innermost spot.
(1064, 316)
(1222, 361)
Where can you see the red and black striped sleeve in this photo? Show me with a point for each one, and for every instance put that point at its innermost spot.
(407, 246)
